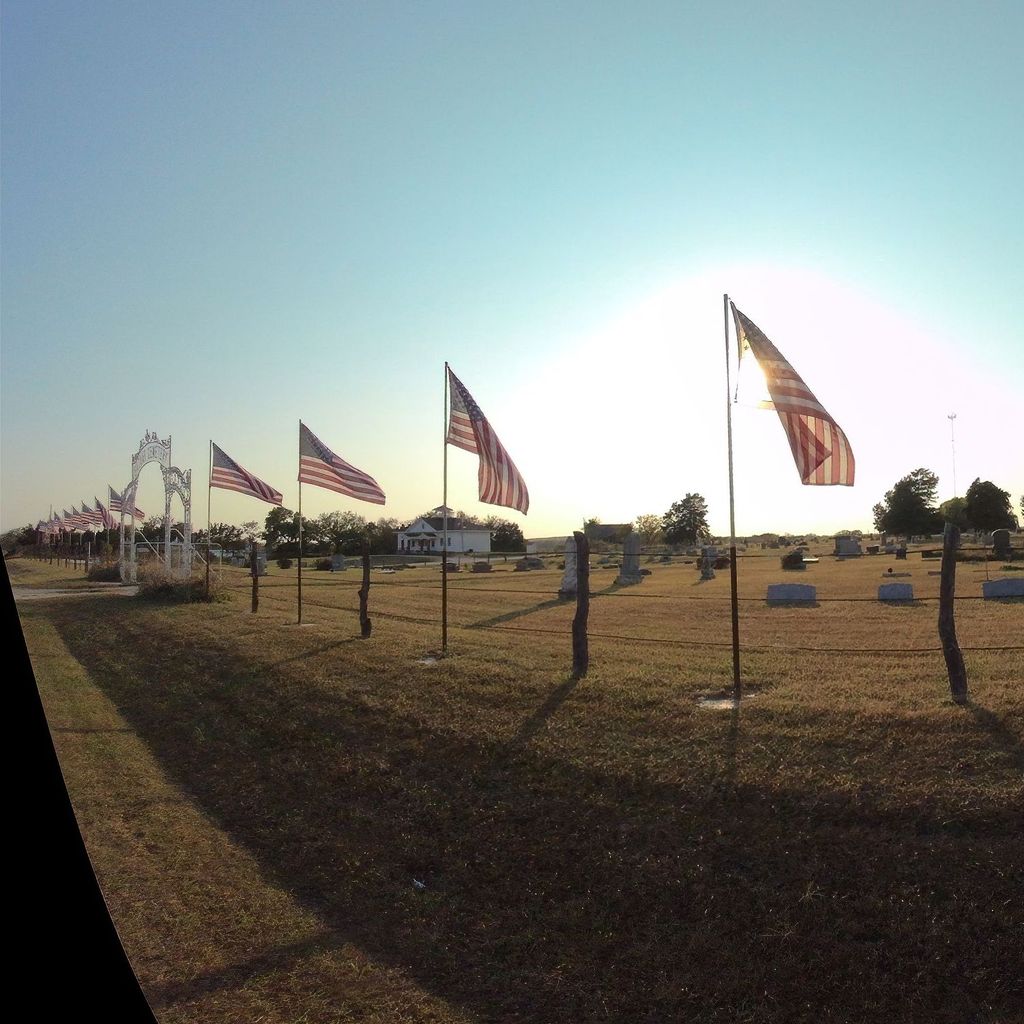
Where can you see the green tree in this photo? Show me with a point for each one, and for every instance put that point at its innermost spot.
(226, 535)
(955, 511)
(988, 507)
(505, 535)
(649, 527)
(281, 532)
(342, 533)
(381, 536)
(908, 508)
(686, 521)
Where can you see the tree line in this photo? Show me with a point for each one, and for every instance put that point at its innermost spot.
(909, 508)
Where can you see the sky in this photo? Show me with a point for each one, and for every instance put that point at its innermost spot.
(219, 218)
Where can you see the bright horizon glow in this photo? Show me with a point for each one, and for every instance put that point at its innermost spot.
(219, 219)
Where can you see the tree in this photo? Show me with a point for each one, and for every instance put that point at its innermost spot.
(281, 531)
(225, 535)
(955, 511)
(988, 507)
(686, 521)
(649, 527)
(908, 508)
(20, 536)
(505, 535)
(381, 536)
(343, 532)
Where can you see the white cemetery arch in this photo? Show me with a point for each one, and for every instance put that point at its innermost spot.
(153, 449)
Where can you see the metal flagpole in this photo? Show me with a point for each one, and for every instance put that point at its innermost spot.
(736, 684)
(209, 525)
(300, 522)
(444, 513)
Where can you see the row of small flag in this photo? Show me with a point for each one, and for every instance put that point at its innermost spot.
(89, 517)
(820, 449)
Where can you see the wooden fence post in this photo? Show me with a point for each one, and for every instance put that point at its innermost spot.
(254, 568)
(365, 625)
(955, 667)
(580, 652)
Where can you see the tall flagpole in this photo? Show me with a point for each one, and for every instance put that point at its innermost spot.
(736, 684)
(300, 522)
(444, 513)
(209, 525)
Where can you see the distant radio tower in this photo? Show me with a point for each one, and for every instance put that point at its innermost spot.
(952, 445)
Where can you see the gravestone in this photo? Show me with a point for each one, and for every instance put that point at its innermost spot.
(569, 583)
(630, 571)
(1003, 588)
(901, 553)
(791, 593)
(872, 549)
(847, 547)
(481, 567)
(261, 565)
(337, 563)
(896, 592)
(1001, 543)
(707, 562)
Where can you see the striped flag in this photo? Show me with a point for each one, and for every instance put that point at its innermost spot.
(90, 516)
(820, 449)
(106, 519)
(231, 476)
(68, 519)
(116, 502)
(319, 465)
(499, 480)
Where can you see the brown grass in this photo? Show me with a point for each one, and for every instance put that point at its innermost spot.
(258, 799)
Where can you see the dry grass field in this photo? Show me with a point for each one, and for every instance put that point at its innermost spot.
(291, 824)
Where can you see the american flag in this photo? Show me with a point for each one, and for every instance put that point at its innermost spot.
(89, 515)
(106, 519)
(116, 503)
(319, 465)
(820, 449)
(231, 476)
(68, 520)
(499, 480)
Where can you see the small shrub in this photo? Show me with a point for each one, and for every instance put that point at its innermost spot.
(284, 563)
(105, 573)
(324, 564)
(156, 584)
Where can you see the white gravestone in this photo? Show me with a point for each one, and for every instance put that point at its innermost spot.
(896, 592)
(569, 578)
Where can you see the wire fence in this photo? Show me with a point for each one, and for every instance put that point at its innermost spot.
(282, 592)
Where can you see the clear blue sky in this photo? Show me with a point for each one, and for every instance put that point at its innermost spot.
(221, 217)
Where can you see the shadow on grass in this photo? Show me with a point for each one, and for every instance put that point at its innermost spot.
(556, 890)
(1009, 742)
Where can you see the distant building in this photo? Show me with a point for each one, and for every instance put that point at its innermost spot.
(426, 535)
(611, 533)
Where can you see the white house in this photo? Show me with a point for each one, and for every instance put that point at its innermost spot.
(426, 535)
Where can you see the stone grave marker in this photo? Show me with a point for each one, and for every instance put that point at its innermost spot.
(896, 592)
(791, 593)
(337, 563)
(1001, 543)
(630, 571)
(1009, 587)
(569, 581)
(707, 562)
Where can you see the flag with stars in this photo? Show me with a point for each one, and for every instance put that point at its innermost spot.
(319, 465)
(500, 483)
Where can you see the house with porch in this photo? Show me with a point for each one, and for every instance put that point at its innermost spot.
(426, 535)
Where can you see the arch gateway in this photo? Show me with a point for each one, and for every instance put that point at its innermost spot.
(153, 449)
